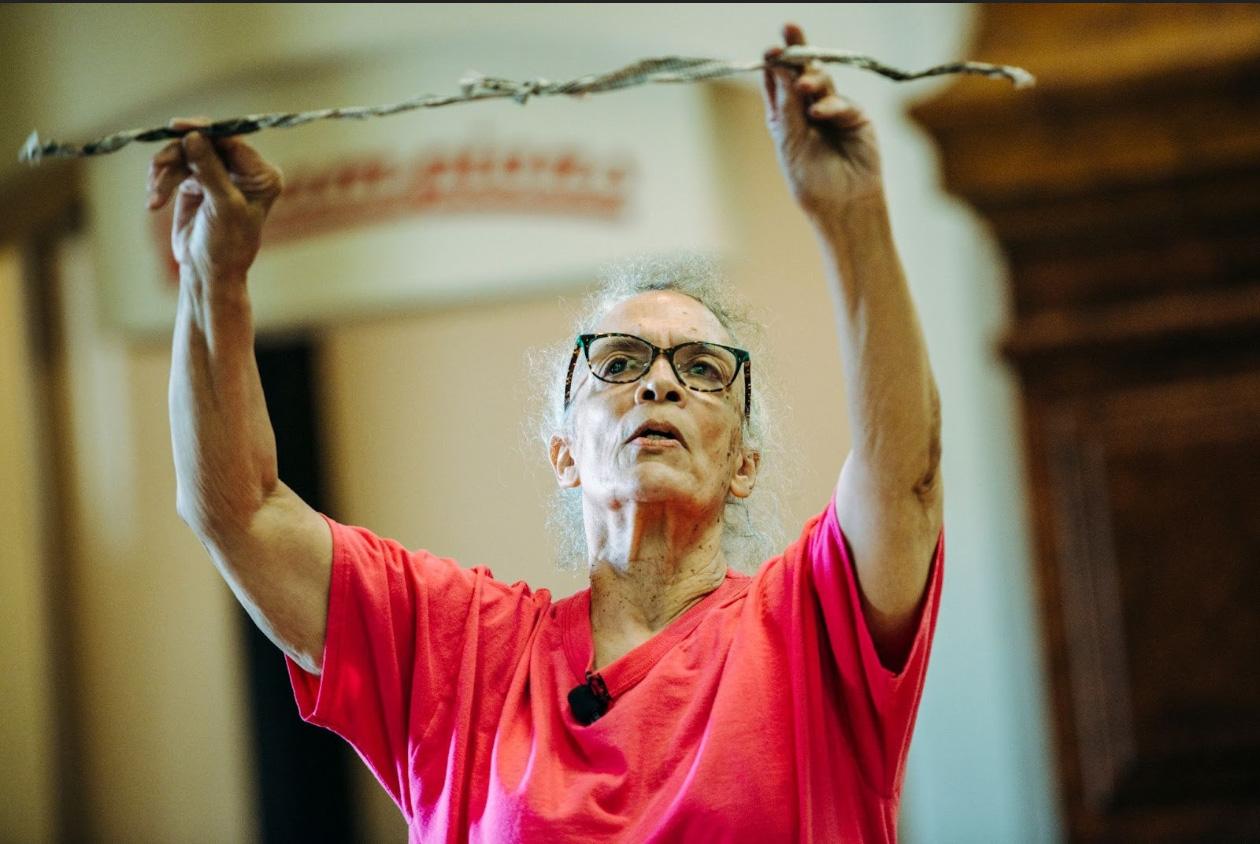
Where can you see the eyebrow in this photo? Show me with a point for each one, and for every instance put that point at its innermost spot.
(729, 340)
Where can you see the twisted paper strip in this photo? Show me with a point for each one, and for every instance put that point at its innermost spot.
(478, 87)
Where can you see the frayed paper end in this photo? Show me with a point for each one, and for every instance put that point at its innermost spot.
(32, 151)
(1021, 78)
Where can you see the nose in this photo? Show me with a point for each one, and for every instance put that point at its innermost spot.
(660, 383)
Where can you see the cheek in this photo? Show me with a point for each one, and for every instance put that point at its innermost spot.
(592, 431)
(727, 436)
(735, 448)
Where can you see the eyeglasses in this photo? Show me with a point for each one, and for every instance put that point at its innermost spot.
(624, 359)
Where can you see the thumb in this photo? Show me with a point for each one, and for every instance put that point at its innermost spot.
(206, 165)
(188, 199)
(785, 105)
(792, 104)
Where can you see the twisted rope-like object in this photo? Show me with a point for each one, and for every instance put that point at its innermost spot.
(478, 87)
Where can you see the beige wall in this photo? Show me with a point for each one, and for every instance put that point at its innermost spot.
(162, 725)
(27, 730)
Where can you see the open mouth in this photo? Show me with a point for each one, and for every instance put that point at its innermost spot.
(656, 432)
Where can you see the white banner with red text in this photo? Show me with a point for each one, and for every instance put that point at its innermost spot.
(430, 208)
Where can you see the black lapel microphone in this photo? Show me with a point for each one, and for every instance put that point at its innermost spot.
(590, 700)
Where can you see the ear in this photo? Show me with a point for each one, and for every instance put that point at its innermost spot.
(745, 477)
(562, 462)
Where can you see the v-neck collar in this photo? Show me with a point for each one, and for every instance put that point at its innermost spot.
(623, 673)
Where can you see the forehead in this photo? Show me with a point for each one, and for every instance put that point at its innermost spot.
(665, 317)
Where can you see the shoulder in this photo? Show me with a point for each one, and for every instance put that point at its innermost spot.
(820, 537)
(360, 554)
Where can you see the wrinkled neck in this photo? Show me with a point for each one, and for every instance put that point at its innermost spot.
(649, 564)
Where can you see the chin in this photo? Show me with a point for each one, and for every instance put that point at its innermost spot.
(659, 484)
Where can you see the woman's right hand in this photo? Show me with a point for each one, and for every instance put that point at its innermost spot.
(223, 190)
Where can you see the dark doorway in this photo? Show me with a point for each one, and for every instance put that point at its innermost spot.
(303, 771)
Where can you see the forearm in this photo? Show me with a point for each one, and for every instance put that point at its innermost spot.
(273, 550)
(889, 497)
(224, 447)
(893, 404)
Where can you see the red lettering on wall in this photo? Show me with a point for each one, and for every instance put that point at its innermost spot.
(474, 179)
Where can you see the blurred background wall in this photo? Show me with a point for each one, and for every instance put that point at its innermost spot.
(127, 684)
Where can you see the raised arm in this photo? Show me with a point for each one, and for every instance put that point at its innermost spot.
(889, 496)
(273, 550)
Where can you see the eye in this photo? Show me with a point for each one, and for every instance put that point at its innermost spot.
(618, 358)
(707, 367)
(615, 365)
(618, 366)
(702, 369)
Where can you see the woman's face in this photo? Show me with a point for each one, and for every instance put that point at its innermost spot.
(700, 461)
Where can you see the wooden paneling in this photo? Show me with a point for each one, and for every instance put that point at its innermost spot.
(1125, 192)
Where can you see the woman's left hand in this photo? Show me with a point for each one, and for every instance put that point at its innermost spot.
(826, 144)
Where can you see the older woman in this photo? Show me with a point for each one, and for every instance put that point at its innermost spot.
(675, 699)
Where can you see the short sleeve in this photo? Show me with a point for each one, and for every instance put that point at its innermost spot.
(881, 704)
(405, 630)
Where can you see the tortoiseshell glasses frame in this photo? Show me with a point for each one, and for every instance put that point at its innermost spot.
(582, 346)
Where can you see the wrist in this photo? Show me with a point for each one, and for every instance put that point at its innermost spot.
(212, 282)
(856, 221)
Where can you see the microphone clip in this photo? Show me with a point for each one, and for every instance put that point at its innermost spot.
(590, 700)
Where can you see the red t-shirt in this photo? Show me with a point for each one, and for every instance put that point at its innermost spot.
(761, 714)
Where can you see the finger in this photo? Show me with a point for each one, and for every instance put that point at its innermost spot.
(815, 79)
(784, 103)
(768, 86)
(254, 175)
(206, 165)
(239, 156)
(166, 181)
(814, 83)
(187, 200)
(169, 156)
(777, 85)
(838, 111)
(787, 103)
(771, 82)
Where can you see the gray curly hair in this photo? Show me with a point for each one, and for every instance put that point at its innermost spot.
(751, 526)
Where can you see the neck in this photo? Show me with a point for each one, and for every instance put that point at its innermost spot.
(649, 565)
